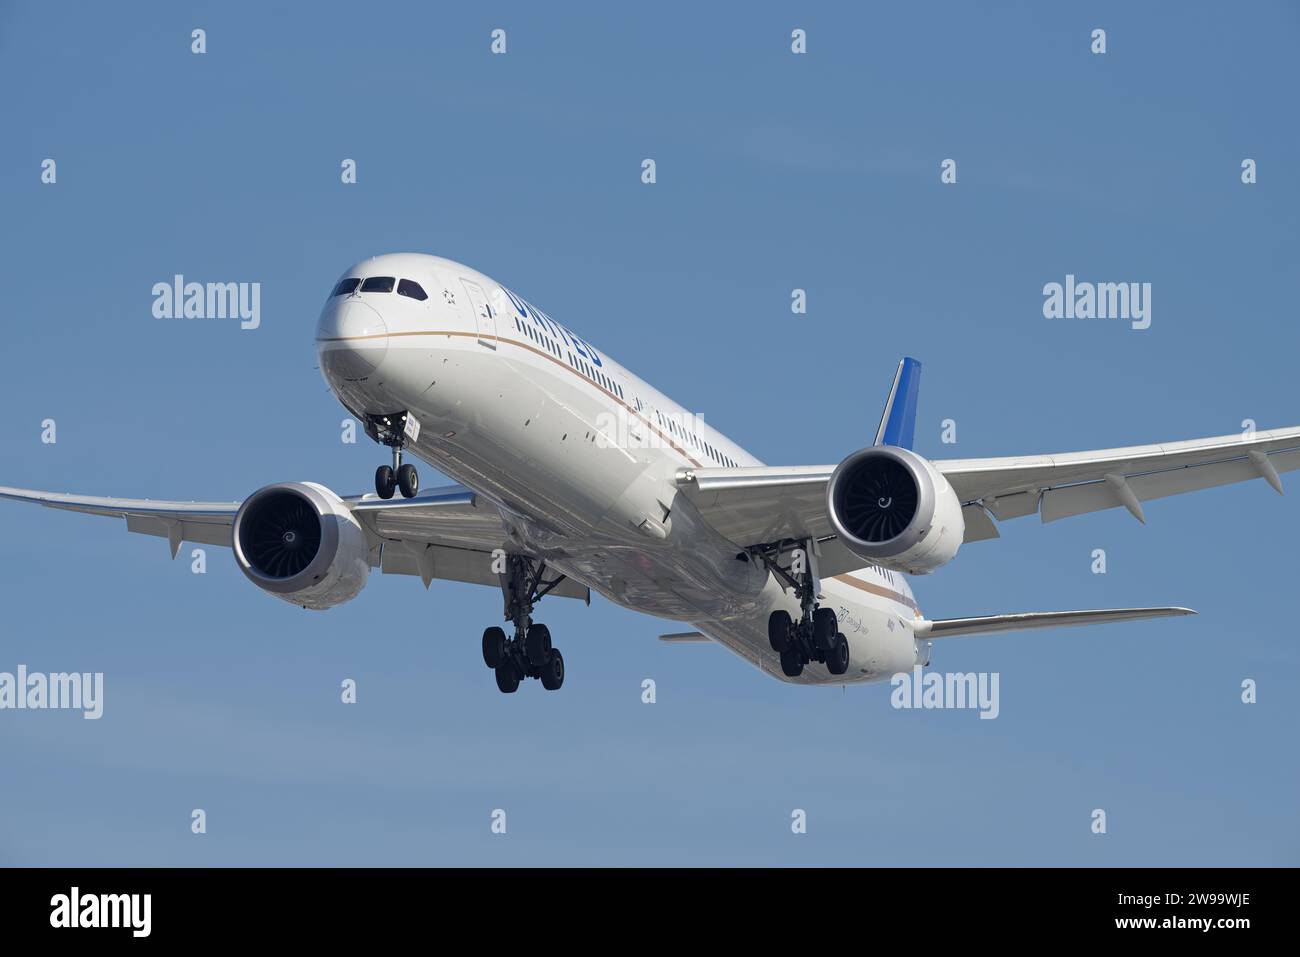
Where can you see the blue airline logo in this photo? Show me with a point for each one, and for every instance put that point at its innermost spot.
(579, 345)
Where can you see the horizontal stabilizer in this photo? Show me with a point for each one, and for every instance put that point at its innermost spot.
(988, 624)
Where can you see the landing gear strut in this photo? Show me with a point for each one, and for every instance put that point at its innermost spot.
(816, 636)
(529, 654)
(395, 431)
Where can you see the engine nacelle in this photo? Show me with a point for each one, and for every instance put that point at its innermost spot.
(892, 508)
(301, 543)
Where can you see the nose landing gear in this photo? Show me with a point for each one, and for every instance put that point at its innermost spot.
(395, 477)
(395, 431)
(530, 653)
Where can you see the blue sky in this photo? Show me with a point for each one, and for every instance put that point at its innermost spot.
(775, 171)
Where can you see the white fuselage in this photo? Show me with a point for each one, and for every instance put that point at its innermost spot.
(581, 457)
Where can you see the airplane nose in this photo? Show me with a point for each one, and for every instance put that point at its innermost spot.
(352, 339)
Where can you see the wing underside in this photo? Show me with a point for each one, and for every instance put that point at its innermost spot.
(443, 533)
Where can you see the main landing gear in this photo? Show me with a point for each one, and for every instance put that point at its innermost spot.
(816, 635)
(529, 654)
(394, 431)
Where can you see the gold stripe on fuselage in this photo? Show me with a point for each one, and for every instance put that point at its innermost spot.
(880, 590)
(536, 351)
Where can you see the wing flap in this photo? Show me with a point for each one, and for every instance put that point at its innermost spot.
(978, 524)
(450, 516)
(181, 530)
(686, 638)
(428, 562)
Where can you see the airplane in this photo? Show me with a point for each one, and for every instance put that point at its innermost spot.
(576, 475)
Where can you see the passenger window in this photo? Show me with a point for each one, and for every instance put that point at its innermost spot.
(413, 290)
(346, 286)
(378, 284)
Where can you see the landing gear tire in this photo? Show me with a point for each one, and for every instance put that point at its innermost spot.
(528, 652)
(494, 647)
(825, 628)
(408, 480)
(778, 630)
(537, 645)
(393, 429)
(837, 658)
(385, 482)
(507, 678)
(812, 636)
(553, 670)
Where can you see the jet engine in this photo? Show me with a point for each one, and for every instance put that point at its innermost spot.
(892, 508)
(300, 542)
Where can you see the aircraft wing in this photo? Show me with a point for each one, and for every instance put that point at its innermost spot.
(1063, 485)
(207, 523)
(443, 533)
(764, 505)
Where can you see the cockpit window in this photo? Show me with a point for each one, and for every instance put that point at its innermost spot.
(378, 284)
(346, 286)
(406, 287)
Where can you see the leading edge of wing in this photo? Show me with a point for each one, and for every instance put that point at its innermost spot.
(212, 512)
(990, 624)
(220, 511)
(445, 496)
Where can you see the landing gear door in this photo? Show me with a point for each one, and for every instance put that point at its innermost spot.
(484, 314)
